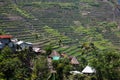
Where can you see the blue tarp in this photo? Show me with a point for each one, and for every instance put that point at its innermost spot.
(56, 58)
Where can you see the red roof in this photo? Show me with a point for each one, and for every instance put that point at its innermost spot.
(5, 36)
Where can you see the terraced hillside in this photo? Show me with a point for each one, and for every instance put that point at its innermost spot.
(64, 24)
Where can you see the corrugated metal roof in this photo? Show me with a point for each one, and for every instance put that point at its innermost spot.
(88, 69)
(20, 42)
(36, 49)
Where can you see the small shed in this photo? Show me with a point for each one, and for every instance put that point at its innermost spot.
(55, 55)
(88, 70)
(74, 61)
(36, 50)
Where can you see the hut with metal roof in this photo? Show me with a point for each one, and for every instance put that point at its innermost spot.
(88, 70)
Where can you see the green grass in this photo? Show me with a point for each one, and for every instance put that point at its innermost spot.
(22, 12)
(117, 33)
(46, 5)
(55, 33)
(87, 1)
(104, 44)
(75, 51)
(70, 49)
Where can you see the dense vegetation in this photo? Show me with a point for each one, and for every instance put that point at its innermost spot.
(69, 26)
(27, 65)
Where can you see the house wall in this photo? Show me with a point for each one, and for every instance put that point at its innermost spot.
(24, 46)
(5, 41)
(1, 46)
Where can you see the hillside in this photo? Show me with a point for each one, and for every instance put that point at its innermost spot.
(59, 39)
(73, 22)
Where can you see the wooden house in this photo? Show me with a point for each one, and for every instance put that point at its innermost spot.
(55, 55)
(74, 61)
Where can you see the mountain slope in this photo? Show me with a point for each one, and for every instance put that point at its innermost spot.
(73, 22)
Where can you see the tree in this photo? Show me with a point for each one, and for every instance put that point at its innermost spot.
(107, 64)
(40, 69)
(1, 32)
(60, 42)
(48, 49)
(9, 64)
(62, 68)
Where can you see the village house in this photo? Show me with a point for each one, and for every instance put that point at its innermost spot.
(74, 61)
(13, 44)
(88, 70)
(55, 55)
(21, 45)
(5, 40)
